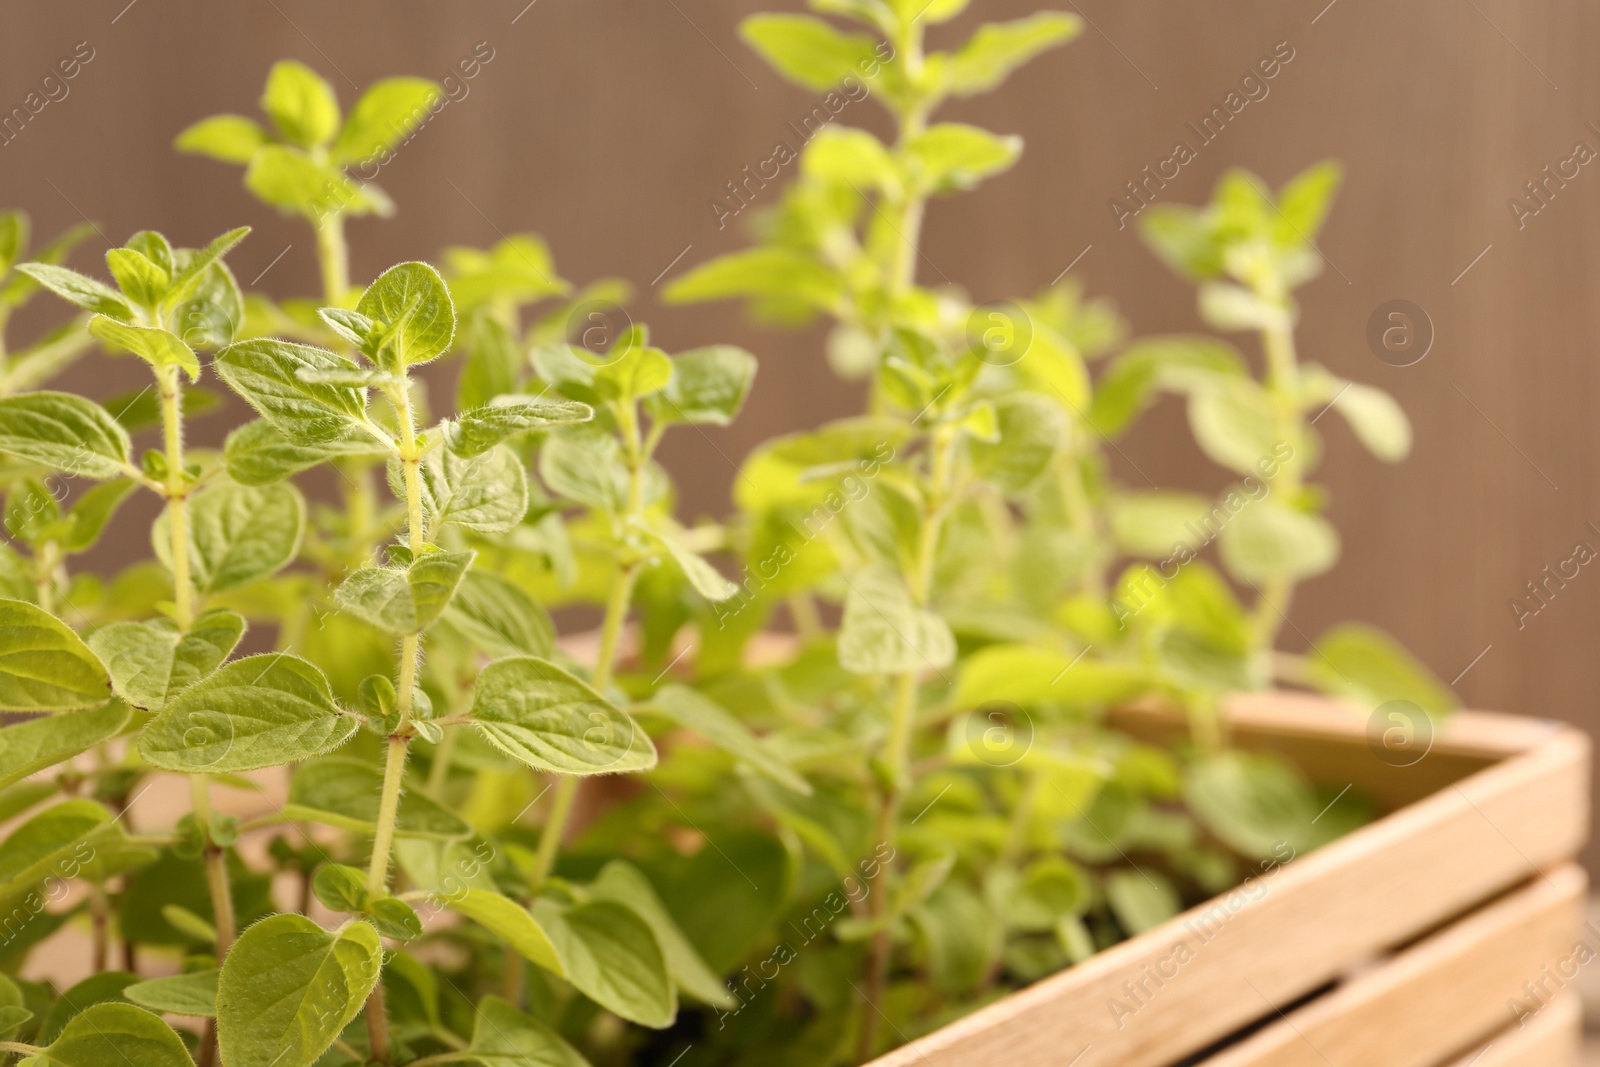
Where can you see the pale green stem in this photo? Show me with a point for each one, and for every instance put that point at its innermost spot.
(333, 256)
(1283, 381)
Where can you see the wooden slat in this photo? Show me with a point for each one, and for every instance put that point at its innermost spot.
(1553, 1038)
(1294, 930)
(1450, 991)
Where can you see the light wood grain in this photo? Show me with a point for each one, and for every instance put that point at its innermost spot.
(1450, 991)
(1550, 1039)
(1223, 965)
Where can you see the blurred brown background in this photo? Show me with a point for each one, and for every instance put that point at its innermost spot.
(607, 126)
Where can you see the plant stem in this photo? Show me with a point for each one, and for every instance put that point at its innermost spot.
(394, 769)
(333, 255)
(216, 864)
(177, 494)
(1283, 388)
(555, 828)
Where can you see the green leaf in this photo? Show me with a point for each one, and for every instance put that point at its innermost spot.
(289, 987)
(35, 744)
(1178, 364)
(63, 432)
(44, 665)
(79, 289)
(289, 179)
(508, 920)
(404, 600)
(230, 138)
(708, 386)
(412, 300)
(624, 884)
(1255, 803)
(193, 994)
(152, 662)
(341, 888)
(345, 793)
(806, 50)
(1268, 539)
(637, 372)
(1304, 203)
(140, 280)
(846, 156)
(12, 1017)
(105, 987)
(257, 453)
(59, 842)
(1156, 523)
(496, 616)
(386, 113)
(702, 576)
(259, 711)
(475, 432)
(1032, 429)
(1032, 676)
(612, 957)
(1364, 664)
(538, 713)
(504, 1037)
(1141, 899)
(586, 468)
(1233, 424)
(952, 156)
(89, 514)
(266, 373)
(13, 238)
(238, 534)
(301, 104)
(1377, 419)
(781, 272)
(189, 280)
(695, 711)
(155, 346)
(487, 493)
(1052, 889)
(114, 1034)
(884, 632)
(998, 48)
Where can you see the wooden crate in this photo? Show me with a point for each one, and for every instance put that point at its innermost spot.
(1396, 946)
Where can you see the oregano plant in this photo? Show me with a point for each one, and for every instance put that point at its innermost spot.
(794, 785)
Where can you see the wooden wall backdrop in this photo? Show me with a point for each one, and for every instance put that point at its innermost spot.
(607, 125)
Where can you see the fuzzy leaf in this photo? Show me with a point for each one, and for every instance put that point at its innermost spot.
(412, 300)
(118, 1034)
(480, 429)
(289, 987)
(622, 883)
(155, 346)
(345, 793)
(495, 615)
(230, 138)
(404, 600)
(301, 104)
(708, 386)
(611, 956)
(883, 632)
(259, 711)
(152, 662)
(238, 534)
(79, 289)
(64, 432)
(35, 744)
(257, 453)
(504, 1037)
(538, 713)
(487, 494)
(44, 665)
(695, 711)
(388, 111)
(193, 994)
(266, 373)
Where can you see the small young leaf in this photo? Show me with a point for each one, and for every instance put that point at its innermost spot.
(708, 386)
(44, 665)
(155, 346)
(951, 156)
(115, 1033)
(998, 48)
(1233, 424)
(152, 662)
(64, 432)
(301, 104)
(230, 138)
(1378, 421)
(35, 744)
(538, 713)
(1032, 429)
(807, 50)
(80, 289)
(259, 711)
(706, 579)
(140, 280)
(287, 178)
(388, 111)
(289, 987)
(190, 279)
(341, 888)
(487, 494)
(265, 373)
(1269, 539)
(480, 429)
(413, 301)
(404, 600)
(586, 468)
(193, 994)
